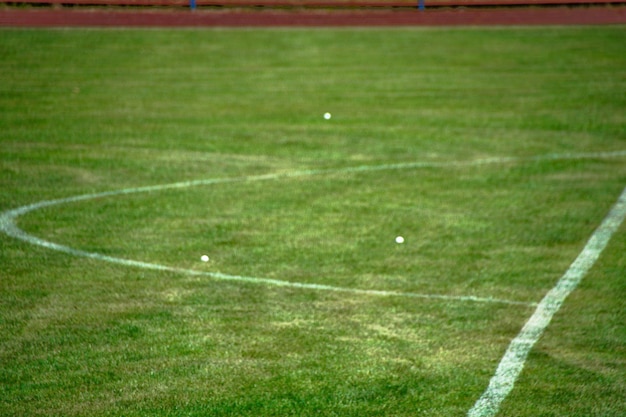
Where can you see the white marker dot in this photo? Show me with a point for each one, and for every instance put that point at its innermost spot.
(327, 116)
(204, 258)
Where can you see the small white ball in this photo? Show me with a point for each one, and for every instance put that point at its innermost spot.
(327, 116)
(204, 258)
(399, 239)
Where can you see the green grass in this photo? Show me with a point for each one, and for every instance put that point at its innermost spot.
(88, 111)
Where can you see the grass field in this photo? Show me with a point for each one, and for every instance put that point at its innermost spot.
(480, 147)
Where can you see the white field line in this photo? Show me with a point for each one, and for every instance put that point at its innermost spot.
(513, 360)
(8, 218)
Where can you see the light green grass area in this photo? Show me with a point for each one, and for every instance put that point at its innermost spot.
(90, 111)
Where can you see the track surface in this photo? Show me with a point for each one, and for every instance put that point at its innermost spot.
(115, 17)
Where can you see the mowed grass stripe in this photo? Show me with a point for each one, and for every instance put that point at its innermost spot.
(7, 222)
(84, 112)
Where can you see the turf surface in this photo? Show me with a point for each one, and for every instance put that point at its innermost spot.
(88, 111)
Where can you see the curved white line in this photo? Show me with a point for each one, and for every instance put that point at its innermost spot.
(8, 226)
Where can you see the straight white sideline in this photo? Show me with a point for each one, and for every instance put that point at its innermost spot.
(512, 362)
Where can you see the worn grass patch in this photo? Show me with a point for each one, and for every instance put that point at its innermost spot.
(89, 111)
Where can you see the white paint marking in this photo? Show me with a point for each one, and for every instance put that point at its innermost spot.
(512, 362)
(8, 226)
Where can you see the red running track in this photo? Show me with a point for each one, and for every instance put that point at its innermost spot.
(116, 17)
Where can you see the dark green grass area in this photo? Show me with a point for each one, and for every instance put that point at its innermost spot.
(578, 368)
(90, 111)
